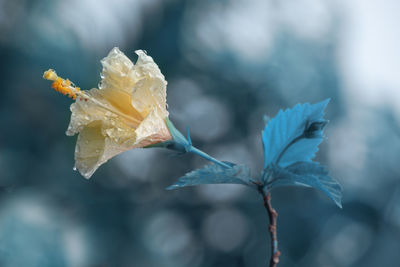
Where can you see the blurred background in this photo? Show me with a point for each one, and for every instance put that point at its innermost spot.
(227, 64)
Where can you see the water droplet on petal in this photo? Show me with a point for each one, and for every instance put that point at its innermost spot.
(74, 168)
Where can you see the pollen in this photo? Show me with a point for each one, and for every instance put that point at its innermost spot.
(63, 86)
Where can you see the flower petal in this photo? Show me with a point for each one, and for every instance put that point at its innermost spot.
(151, 89)
(118, 79)
(89, 149)
(152, 130)
(98, 107)
(118, 72)
(98, 142)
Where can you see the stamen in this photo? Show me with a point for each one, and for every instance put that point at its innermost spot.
(62, 86)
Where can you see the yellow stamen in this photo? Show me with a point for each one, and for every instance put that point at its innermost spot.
(62, 86)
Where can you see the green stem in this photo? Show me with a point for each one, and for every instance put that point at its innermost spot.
(202, 154)
(181, 144)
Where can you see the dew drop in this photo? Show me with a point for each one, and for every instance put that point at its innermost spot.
(74, 168)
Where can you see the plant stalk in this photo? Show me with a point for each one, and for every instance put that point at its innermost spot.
(272, 215)
(207, 157)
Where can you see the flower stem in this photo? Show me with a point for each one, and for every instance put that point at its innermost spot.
(202, 154)
(184, 145)
(272, 215)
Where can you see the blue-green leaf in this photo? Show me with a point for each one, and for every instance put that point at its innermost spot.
(294, 134)
(309, 174)
(215, 174)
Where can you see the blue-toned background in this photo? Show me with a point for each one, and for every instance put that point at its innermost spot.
(227, 63)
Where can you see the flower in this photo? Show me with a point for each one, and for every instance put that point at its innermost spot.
(129, 110)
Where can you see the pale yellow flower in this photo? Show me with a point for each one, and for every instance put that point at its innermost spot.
(129, 110)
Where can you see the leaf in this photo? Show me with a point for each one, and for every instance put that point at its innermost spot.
(294, 134)
(309, 174)
(215, 174)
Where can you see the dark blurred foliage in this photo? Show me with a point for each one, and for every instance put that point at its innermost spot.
(227, 63)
